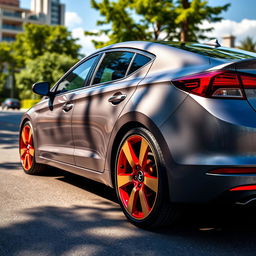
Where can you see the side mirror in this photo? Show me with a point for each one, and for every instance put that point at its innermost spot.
(41, 88)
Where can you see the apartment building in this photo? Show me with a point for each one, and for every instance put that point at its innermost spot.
(12, 16)
(52, 10)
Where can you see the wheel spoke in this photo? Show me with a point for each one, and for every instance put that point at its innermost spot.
(129, 154)
(132, 200)
(23, 136)
(151, 182)
(144, 203)
(26, 161)
(143, 151)
(31, 151)
(29, 161)
(124, 179)
(30, 136)
(22, 151)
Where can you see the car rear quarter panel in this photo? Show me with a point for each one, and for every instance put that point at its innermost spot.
(205, 134)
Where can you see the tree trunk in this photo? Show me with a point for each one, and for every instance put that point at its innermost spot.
(184, 26)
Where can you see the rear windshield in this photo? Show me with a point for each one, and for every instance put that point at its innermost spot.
(210, 51)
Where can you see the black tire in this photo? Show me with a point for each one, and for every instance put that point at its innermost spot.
(35, 168)
(162, 213)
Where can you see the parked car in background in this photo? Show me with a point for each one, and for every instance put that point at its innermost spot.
(163, 123)
(11, 103)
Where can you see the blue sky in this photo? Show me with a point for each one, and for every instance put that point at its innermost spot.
(239, 20)
(239, 9)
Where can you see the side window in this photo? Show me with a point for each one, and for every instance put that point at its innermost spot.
(77, 77)
(113, 66)
(138, 62)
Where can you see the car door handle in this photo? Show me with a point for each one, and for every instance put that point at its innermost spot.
(67, 107)
(117, 98)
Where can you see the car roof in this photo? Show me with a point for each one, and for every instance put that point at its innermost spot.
(196, 48)
(167, 58)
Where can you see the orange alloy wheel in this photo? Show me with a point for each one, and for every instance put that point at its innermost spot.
(137, 177)
(27, 150)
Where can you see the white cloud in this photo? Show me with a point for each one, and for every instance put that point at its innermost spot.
(72, 19)
(85, 41)
(240, 29)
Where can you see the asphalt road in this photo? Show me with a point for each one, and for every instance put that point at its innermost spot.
(64, 214)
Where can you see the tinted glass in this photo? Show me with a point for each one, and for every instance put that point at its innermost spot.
(138, 62)
(77, 77)
(113, 66)
(218, 52)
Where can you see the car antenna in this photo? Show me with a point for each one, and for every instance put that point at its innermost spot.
(213, 42)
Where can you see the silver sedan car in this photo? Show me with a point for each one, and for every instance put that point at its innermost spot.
(163, 123)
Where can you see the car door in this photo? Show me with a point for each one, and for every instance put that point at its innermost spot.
(54, 129)
(98, 107)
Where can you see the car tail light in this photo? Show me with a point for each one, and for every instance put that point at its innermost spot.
(217, 84)
(243, 188)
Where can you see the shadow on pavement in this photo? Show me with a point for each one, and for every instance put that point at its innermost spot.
(82, 182)
(9, 129)
(9, 140)
(90, 186)
(98, 230)
(10, 165)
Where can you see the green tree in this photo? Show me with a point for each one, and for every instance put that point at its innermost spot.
(38, 39)
(47, 67)
(7, 68)
(154, 19)
(248, 44)
(123, 26)
(157, 16)
(41, 53)
(190, 14)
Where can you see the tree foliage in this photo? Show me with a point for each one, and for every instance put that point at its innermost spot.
(123, 26)
(6, 55)
(248, 44)
(7, 66)
(38, 39)
(158, 15)
(190, 14)
(154, 19)
(40, 53)
(47, 67)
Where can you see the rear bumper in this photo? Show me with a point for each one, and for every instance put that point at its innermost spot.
(194, 184)
(207, 134)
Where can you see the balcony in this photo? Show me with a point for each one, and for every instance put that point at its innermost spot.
(8, 39)
(12, 14)
(12, 27)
